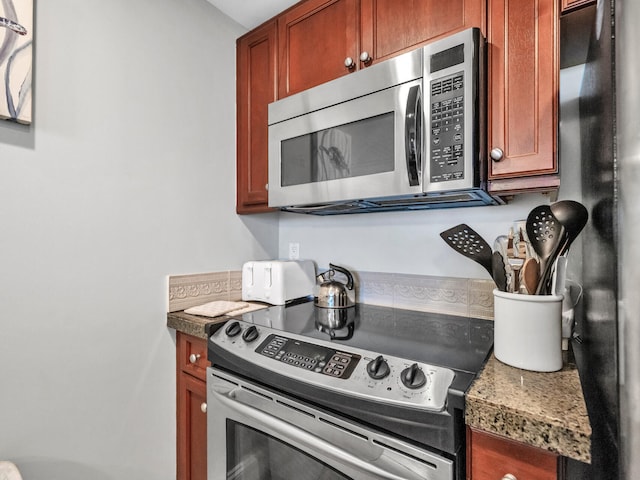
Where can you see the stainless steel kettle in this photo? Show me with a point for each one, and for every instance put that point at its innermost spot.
(335, 294)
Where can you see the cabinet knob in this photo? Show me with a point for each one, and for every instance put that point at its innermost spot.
(349, 63)
(203, 409)
(266, 186)
(193, 358)
(496, 154)
(365, 57)
(509, 476)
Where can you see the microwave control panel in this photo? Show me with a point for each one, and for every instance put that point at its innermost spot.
(447, 128)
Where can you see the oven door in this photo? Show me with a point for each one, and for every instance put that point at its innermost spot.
(255, 434)
(367, 147)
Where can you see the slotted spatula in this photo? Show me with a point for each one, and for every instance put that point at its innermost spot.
(466, 241)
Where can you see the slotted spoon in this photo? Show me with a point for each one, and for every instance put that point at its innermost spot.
(546, 235)
(466, 241)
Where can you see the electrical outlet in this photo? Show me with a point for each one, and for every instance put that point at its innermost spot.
(294, 251)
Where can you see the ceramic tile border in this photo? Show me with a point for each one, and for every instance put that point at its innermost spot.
(187, 291)
(481, 298)
(448, 295)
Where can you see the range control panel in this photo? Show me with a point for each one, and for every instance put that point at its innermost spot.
(352, 371)
(447, 128)
(308, 356)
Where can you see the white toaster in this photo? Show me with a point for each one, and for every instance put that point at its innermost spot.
(278, 281)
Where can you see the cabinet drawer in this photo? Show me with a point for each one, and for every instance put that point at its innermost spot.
(192, 355)
(490, 457)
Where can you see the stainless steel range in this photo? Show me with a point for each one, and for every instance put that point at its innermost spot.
(367, 392)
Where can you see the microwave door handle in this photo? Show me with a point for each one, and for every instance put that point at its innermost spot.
(413, 135)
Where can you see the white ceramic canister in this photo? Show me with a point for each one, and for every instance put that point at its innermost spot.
(528, 330)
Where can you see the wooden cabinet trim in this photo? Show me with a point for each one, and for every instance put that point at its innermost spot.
(570, 5)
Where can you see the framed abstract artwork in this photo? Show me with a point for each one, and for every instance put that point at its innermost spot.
(16, 59)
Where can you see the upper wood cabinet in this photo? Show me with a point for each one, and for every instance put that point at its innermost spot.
(567, 5)
(256, 88)
(320, 40)
(308, 45)
(391, 27)
(523, 78)
(316, 37)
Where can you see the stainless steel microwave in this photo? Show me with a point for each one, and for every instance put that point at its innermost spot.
(407, 133)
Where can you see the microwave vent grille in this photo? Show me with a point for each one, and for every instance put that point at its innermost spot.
(466, 198)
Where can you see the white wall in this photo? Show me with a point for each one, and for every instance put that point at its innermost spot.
(409, 242)
(126, 176)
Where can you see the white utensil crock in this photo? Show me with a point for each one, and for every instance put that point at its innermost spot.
(528, 330)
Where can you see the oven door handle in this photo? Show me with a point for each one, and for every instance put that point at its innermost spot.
(317, 444)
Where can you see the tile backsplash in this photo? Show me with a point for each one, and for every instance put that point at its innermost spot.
(187, 291)
(448, 295)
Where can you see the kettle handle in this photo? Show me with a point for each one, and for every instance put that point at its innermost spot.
(345, 272)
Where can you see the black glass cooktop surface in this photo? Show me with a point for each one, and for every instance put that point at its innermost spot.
(459, 343)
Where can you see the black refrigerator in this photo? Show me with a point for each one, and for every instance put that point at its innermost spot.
(607, 347)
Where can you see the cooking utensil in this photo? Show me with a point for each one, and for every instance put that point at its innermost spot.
(573, 217)
(530, 275)
(466, 241)
(499, 274)
(335, 294)
(501, 245)
(516, 265)
(559, 277)
(546, 235)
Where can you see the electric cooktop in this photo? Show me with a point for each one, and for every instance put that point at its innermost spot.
(459, 343)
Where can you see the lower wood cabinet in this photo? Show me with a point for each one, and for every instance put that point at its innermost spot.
(191, 363)
(491, 457)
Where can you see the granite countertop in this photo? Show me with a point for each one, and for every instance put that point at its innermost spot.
(545, 410)
(192, 324)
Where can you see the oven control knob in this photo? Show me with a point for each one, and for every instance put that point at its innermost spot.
(378, 368)
(250, 334)
(413, 377)
(233, 329)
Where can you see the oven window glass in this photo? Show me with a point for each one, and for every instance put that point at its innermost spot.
(360, 148)
(254, 455)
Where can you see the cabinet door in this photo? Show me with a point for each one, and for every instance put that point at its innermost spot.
(256, 88)
(523, 76)
(315, 38)
(390, 27)
(490, 457)
(192, 428)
